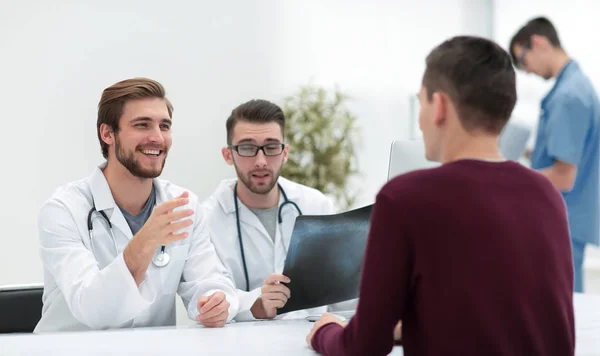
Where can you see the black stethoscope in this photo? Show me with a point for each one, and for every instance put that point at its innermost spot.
(159, 260)
(239, 230)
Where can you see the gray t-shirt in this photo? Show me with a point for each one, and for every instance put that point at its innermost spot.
(136, 222)
(268, 217)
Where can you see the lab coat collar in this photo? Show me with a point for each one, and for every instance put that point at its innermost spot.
(103, 199)
(101, 193)
(224, 193)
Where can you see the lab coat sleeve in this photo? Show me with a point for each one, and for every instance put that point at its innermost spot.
(247, 299)
(98, 298)
(329, 208)
(204, 273)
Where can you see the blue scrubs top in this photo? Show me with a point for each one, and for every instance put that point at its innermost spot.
(568, 131)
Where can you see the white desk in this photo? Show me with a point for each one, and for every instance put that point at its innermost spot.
(587, 325)
(249, 338)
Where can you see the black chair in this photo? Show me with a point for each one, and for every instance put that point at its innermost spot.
(20, 307)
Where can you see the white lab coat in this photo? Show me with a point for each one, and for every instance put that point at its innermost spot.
(85, 290)
(263, 255)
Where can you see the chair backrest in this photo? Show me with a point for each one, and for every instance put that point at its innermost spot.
(20, 307)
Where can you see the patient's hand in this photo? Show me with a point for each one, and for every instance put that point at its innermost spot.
(325, 319)
(398, 331)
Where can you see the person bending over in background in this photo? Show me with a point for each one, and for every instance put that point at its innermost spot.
(568, 136)
(474, 255)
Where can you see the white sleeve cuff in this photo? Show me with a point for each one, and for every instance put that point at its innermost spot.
(247, 300)
(147, 290)
(143, 295)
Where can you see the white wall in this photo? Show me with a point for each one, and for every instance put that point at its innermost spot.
(211, 56)
(56, 59)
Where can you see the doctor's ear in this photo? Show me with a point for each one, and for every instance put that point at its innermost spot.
(285, 153)
(227, 155)
(107, 134)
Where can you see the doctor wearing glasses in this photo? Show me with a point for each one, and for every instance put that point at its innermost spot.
(251, 218)
(117, 246)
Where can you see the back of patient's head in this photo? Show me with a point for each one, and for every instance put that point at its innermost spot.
(478, 77)
(256, 111)
(110, 107)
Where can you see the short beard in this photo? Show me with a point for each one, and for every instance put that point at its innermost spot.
(262, 190)
(127, 160)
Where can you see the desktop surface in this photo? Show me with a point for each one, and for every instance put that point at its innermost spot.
(273, 337)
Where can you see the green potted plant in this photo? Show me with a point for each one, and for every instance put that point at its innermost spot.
(323, 140)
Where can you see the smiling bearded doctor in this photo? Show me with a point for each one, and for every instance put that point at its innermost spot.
(251, 218)
(117, 246)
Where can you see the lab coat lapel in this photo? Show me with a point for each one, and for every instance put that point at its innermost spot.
(281, 248)
(104, 200)
(118, 221)
(161, 194)
(287, 225)
(288, 217)
(289, 212)
(248, 220)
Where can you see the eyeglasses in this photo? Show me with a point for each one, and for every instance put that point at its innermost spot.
(247, 150)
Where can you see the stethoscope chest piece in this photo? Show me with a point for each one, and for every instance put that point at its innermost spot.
(161, 259)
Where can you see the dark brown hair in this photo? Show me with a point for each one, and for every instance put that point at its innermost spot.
(540, 26)
(479, 78)
(255, 111)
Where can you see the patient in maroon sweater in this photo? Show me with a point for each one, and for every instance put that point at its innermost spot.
(474, 256)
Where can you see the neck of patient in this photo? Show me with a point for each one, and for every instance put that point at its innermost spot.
(258, 201)
(129, 192)
(476, 146)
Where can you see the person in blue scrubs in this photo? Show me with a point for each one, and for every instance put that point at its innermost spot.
(567, 146)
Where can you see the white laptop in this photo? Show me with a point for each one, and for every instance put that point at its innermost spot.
(407, 156)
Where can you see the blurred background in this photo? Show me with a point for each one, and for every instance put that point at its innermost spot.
(57, 57)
